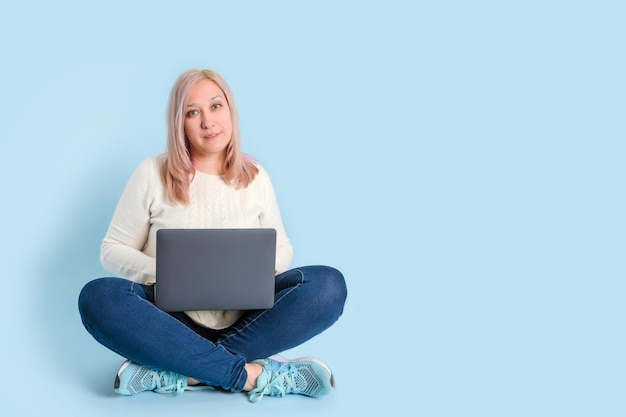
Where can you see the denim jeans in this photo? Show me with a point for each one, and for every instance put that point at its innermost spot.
(121, 315)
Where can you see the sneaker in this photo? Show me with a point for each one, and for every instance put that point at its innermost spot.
(307, 376)
(133, 378)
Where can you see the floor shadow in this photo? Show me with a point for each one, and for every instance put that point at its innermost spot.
(73, 261)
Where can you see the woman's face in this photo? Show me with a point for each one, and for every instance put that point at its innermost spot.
(208, 126)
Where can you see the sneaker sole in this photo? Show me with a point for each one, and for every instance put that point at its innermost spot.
(116, 385)
(279, 358)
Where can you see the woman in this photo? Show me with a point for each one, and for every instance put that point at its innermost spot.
(205, 181)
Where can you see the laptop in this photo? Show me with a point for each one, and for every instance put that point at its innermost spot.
(215, 269)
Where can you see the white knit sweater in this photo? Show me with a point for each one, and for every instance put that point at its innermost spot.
(129, 247)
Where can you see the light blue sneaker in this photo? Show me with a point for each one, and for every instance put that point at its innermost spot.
(307, 376)
(133, 378)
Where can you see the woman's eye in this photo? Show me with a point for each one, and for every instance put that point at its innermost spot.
(216, 106)
(192, 113)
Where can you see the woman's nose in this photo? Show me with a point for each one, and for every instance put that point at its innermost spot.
(206, 122)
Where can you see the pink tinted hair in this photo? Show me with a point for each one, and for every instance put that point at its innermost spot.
(178, 171)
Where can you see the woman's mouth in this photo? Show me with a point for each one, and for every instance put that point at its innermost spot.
(212, 135)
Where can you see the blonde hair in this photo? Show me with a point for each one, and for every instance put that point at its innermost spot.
(177, 170)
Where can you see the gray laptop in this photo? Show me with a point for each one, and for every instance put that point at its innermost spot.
(215, 269)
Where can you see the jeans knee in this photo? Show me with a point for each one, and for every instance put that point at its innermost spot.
(338, 284)
(332, 291)
(95, 297)
(87, 295)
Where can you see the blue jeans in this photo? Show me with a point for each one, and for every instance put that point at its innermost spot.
(121, 315)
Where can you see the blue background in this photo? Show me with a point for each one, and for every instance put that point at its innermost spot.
(461, 162)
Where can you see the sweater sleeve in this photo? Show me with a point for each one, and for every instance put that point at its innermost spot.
(271, 219)
(121, 249)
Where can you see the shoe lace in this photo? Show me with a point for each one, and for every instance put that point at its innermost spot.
(167, 382)
(282, 381)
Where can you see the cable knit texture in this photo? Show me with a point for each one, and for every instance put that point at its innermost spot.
(129, 247)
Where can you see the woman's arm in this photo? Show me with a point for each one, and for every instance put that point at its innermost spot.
(271, 219)
(121, 249)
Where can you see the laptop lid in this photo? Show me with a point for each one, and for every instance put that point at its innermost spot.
(215, 269)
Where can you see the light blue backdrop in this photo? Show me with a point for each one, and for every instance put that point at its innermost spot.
(461, 162)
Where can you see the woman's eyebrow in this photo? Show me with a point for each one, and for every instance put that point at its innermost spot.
(211, 99)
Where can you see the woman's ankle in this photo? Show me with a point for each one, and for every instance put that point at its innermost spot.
(253, 370)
